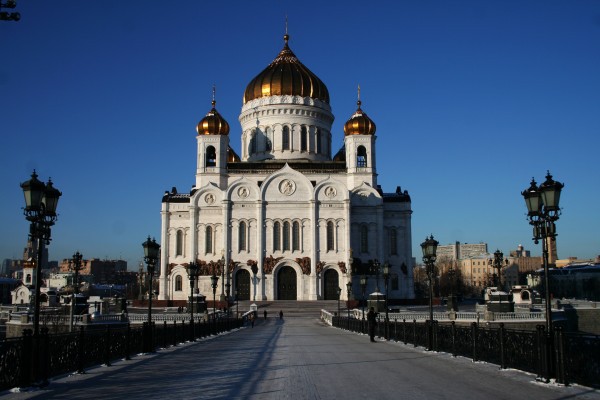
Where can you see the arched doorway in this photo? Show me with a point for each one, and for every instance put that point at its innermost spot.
(242, 284)
(286, 284)
(330, 285)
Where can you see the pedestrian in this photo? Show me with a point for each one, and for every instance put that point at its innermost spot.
(265, 314)
(252, 319)
(280, 314)
(372, 321)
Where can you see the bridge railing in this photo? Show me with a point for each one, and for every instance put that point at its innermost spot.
(21, 366)
(566, 357)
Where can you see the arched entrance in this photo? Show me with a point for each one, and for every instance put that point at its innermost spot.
(330, 285)
(242, 284)
(286, 284)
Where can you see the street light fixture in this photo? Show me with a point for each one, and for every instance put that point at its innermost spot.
(386, 279)
(497, 263)
(75, 265)
(338, 291)
(193, 270)
(214, 282)
(375, 270)
(543, 211)
(349, 292)
(363, 290)
(41, 201)
(151, 253)
(429, 248)
(236, 304)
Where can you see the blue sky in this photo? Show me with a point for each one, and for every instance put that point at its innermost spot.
(471, 100)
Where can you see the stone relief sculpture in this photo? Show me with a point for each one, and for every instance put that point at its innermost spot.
(304, 264)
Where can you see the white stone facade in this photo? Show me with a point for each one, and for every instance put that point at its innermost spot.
(285, 217)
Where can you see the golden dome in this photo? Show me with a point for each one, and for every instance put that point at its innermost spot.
(286, 75)
(213, 123)
(359, 123)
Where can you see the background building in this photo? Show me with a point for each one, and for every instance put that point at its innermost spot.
(459, 251)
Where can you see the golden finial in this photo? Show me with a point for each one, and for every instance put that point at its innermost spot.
(286, 37)
(214, 102)
(358, 102)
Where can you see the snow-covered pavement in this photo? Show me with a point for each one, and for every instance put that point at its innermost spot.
(299, 358)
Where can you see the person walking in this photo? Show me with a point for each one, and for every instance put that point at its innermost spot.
(372, 321)
(280, 314)
(265, 314)
(252, 319)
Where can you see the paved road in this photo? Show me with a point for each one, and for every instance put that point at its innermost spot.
(300, 358)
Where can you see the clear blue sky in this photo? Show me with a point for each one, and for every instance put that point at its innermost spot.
(471, 100)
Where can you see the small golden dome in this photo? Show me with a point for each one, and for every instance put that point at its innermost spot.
(286, 75)
(213, 123)
(359, 123)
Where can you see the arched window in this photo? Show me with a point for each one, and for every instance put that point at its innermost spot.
(286, 236)
(211, 157)
(242, 236)
(178, 283)
(364, 239)
(393, 242)
(276, 236)
(208, 240)
(253, 142)
(295, 236)
(330, 239)
(179, 243)
(28, 278)
(303, 139)
(318, 133)
(285, 138)
(361, 157)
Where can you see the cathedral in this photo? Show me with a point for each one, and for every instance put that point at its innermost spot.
(286, 220)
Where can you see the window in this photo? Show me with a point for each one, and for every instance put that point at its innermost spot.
(303, 139)
(178, 283)
(361, 157)
(296, 236)
(286, 236)
(211, 157)
(285, 138)
(277, 236)
(330, 242)
(208, 240)
(393, 242)
(318, 140)
(242, 236)
(179, 243)
(364, 239)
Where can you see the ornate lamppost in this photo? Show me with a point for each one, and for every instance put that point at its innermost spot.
(497, 263)
(338, 291)
(429, 247)
(543, 211)
(363, 290)
(214, 282)
(222, 263)
(75, 266)
(236, 304)
(349, 292)
(386, 279)
(192, 270)
(41, 201)
(375, 270)
(452, 301)
(151, 253)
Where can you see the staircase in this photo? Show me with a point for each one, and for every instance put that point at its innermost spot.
(292, 308)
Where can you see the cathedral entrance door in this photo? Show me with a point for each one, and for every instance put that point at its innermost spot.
(331, 284)
(286, 284)
(242, 284)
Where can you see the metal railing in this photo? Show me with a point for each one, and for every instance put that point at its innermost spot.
(29, 360)
(575, 357)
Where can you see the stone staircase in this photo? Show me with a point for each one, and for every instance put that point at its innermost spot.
(292, 308)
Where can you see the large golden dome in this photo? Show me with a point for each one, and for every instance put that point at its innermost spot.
(213, 123)
(286, 75)
(359, 123)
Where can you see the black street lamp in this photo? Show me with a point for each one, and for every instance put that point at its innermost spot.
(497, 263)
(429, 247)
(339, 292)
(222, 263)
(41, 201)
(452, 302)
(214, 282)
(375, 270)
(543, 211)
(363, 290)
(236, 304)
(192, 270)
(75, 266)
(349, 292)
(9, 16)
(386, 279)
(151, 253)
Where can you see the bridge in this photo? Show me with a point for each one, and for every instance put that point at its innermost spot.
(298, 357)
